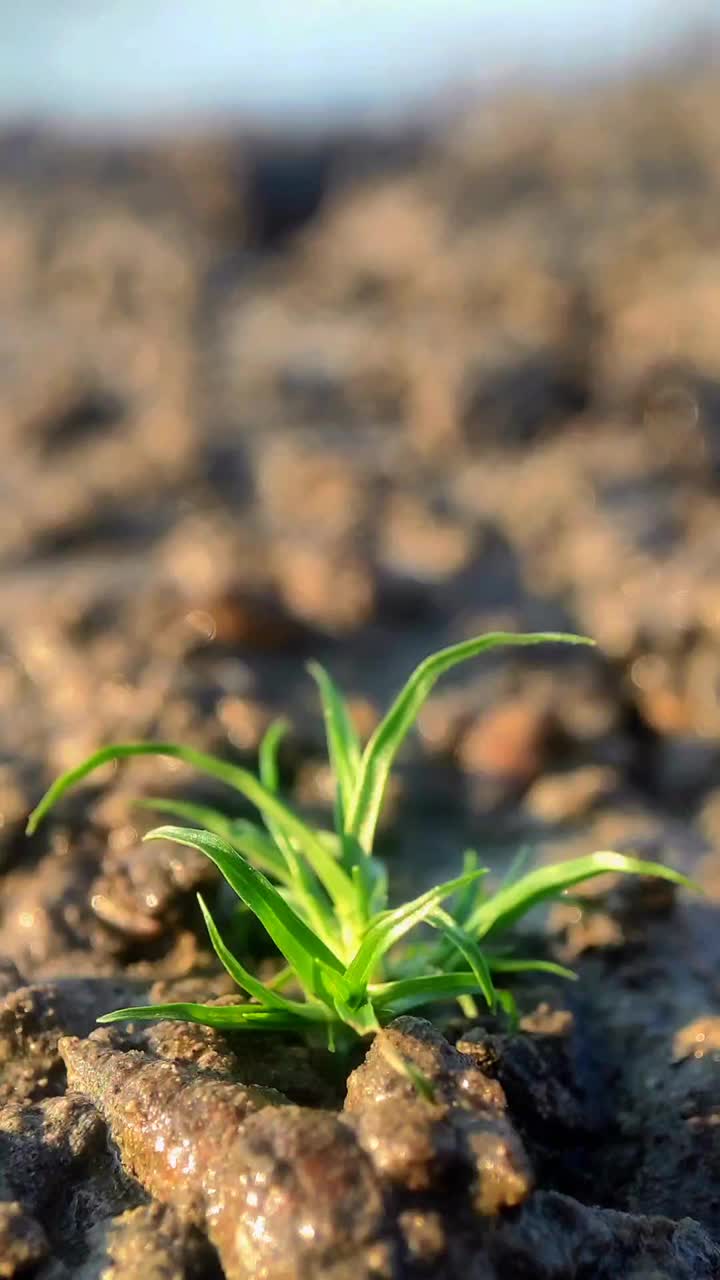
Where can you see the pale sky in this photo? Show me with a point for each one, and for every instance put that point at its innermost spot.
(126, 61)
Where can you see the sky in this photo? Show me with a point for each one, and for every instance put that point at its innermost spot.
(131, 61)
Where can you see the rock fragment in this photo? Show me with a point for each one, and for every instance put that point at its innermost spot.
(555, 1238)
(147, 1243)
(464, 1133)
(33, 1018)
(282, 1191)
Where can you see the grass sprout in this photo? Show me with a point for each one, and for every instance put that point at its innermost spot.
(322, 895)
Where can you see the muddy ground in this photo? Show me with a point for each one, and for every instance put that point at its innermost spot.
(264, 400)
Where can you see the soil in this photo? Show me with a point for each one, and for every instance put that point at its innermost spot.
(354, 399)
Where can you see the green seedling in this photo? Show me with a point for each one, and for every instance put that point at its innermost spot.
(322, 895)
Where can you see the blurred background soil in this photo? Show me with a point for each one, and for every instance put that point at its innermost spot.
(353, 398)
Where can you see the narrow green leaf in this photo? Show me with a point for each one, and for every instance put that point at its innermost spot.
(442, 955)
(388, 928)
(500, 965)
(308, 954)
(122, 751)
(342, 740)
(328, 871)
(517, 865)
(239, 974)
(380, 752)
(269, 769)
(232, 1017)
(469, 950)
(250, 840)
(269, 752)
(370, 878)
(410, 993)
(362, 1018)
(362, 889)
(468, 1007)
(270, 777)
(244, 836)
(309, 898)
(508, 1004)
(281, 978)
(380, 885)
(471, 895)
(506, 907)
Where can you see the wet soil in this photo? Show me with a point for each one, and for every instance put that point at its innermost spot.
(356, 399)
